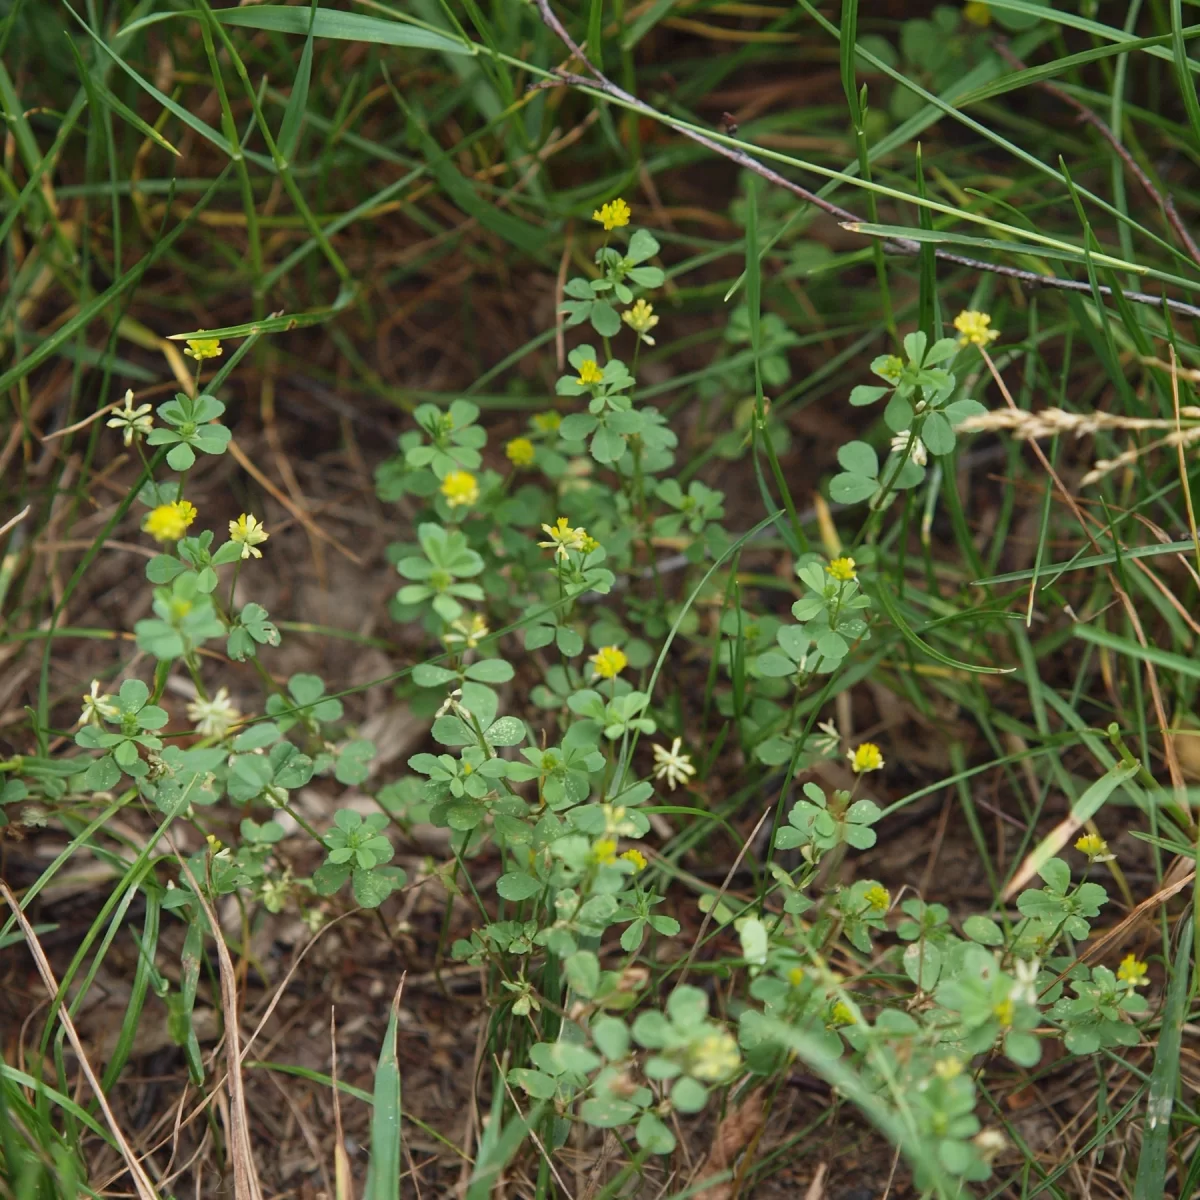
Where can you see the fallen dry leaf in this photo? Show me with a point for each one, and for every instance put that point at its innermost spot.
(735, 1134)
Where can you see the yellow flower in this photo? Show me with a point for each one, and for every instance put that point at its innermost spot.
(842, 569)
(519, 452)
(460, 488)
(202, 348)
(169, 522)
(1132, 971)
(973, 328)
(605, 851)
(715, 1056)
(250, 533)
(547, 422)
(214, 843)
(948, 1068)
(589, 544)
(841, 1014)
(866, 757)
(641, 319)
(608, 662)
(1004, 1012)
(878, 897)
(637, 858)
(1095, 847)
(977, 13)
(613, 215)
(892, 369)
(467, 631)
(795, 976)
(563, 538)
(590, 373)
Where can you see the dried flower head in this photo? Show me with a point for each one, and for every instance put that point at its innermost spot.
(133, 422)
(672, 765)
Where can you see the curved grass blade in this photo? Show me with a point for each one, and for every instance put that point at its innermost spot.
(888, 603)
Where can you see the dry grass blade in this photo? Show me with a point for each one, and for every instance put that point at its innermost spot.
(246, 1185)
(141, 1181)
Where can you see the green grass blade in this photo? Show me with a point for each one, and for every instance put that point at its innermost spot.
(383, 1176)
(340, 26)
(888, 603)
(1083, 562)
(512, 229)
(1164, 1079)
(1189, 667)
(293, 115)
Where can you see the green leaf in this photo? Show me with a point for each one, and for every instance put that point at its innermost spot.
(611, 1037)
(583, 972)
(852, 489)
(653, 1135)
(866, 394)
(537, 1085)
(516, 885)
(689, 1095)
(858, 458)
(490, 670)
(607, 446)
(983, 930)
(507, 731)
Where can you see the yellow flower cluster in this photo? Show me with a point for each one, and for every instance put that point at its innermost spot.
(613, 215)
(866, 757)
(608, 662)
(1132, 971)
(519, 452)
(637, 858)
(460, 488)
(202, 348)
(169, 522)
(590, 373)
(250, 533)
(842, 569)
(641, 319)
(563, 538)
(974, 328)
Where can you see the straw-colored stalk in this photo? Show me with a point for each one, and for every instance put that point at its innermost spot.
(1050, 422)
